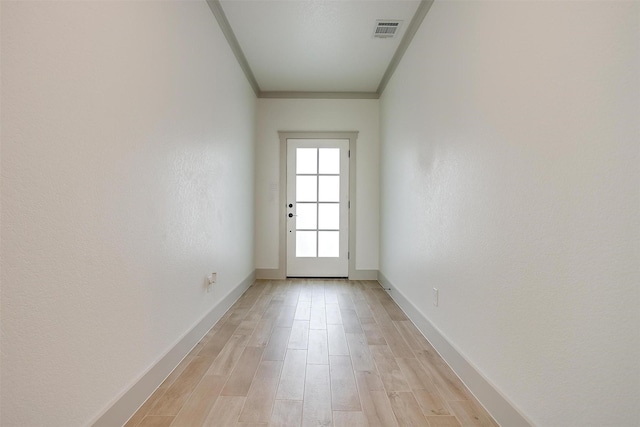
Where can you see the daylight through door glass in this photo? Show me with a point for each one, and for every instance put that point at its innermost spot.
(317, 202)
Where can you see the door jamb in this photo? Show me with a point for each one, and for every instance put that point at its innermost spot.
(352, 136)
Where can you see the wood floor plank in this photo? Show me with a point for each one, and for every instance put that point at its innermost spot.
(228, 357)
(407, 410)
(448, 384)
(259, 402)
(238, 315)
(333, 314)
(316, 406)
(369, 380)
(330, 295)
(394, 340)
(286, 413)
(470, 414)
(194, 412)
(285, 318)
(344, 392)
(312, 352)
(416, 375)
(443, 421)
(277, 346)
(156, 421)
(431, 403)
(318, 317)
(217, 342)
(317, 300)
(305, 290)
(375, 403)
(291, 385)
(242, 375)
(303, 311)
(246, 328)
(395, 313)
(384, 410)
(299, 338)
(318, 347)
(374, 334)
(359, 351)
(262, 304)
(362, 310)
(344, 300)
(337, 341)
(390, 372)
(261, 334)
(225, 412)
(273, 310)
(349, 419)
(178, 393)
(350, 321)
(136, 419)
(413, 336)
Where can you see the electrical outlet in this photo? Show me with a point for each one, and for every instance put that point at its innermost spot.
(211, 279)
(435, 297)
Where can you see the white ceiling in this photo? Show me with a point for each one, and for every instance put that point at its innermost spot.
(316, 45)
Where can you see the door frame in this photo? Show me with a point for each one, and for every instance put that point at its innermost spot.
(352, 136)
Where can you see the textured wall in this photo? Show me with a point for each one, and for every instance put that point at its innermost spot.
(510, 181)
(317, 115)
(127, 177)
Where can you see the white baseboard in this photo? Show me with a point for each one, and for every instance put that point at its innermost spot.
(502, 410)
(277, 274)
(126, 405)
(364, 275)
(270, 274)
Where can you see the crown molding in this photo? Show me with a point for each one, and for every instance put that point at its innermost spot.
(410, 32)
(411, 29)
(318, 95)
(223, 22)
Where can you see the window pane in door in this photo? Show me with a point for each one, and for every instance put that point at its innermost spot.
(305, 244)
(306, 160)
(307, 216)
(329, 216)
(306, 189)
(328, 244)
(329, 189)
(329, 160)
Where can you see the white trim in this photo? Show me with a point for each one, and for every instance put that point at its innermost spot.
(318, 95)
(363, 275)
(410, 32)
(498, 405)
(125, 405)
(269, 274)
(225, 27)
(277, 274)
(352, 136)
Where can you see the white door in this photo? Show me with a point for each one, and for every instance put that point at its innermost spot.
(317, 207)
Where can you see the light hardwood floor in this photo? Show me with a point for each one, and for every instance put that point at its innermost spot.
(312, 353)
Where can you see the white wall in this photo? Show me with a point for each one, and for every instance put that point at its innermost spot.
(510, 181)
(127, 177)
(317, 115)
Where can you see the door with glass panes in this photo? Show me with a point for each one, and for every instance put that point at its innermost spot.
(317, 207)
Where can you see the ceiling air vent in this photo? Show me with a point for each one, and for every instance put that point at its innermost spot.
(386, 29)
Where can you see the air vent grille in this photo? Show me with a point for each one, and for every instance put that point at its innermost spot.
(386, 29)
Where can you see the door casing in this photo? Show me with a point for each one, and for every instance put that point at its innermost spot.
(284, 135)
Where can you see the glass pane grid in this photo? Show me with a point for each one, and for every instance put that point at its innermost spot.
(306, 244)
(317, 224)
